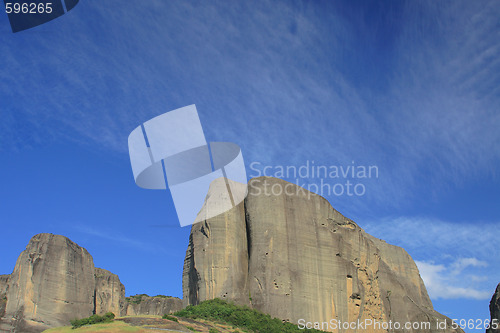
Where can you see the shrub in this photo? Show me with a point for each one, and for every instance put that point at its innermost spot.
(169, 317)
(213, 330)
(94, 319)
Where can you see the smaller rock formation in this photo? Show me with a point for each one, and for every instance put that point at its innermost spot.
(495, 310)
(4, 287)
(147, 305)
(4, 284)
(109, 293)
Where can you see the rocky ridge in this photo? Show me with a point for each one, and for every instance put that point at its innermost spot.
(156, 305)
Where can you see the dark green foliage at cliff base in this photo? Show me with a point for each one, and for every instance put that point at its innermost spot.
(169, 317)
(135, 299)
(94, 319)
(239, 316)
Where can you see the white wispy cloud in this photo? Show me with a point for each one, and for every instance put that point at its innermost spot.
(272, 77)
(433, 237)
(463, 263)
(117, 237)
(456, 260)
(444, 281)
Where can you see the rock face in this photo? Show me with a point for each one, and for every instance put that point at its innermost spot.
(55, 281)
(4, 287)
(157, 306)
(109, 293)
(4, 284)
(495, 310)
(295, 257)
(216, 263)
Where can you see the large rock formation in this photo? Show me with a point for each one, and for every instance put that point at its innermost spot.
(295, 257)
(495, 311)
(55, 280)
(52, 283)
(157, 305)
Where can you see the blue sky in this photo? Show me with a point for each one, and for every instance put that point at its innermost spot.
(411, 87)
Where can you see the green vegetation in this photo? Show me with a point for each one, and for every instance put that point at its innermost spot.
(213, 330)
(169, 317)
(94, 319)
(191, 328)
(135, 299)
(240, 316)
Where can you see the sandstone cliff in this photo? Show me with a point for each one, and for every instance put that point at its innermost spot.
(54, 281)
(495, 310)
(50, 284)
(109, 293)
(295, 257)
